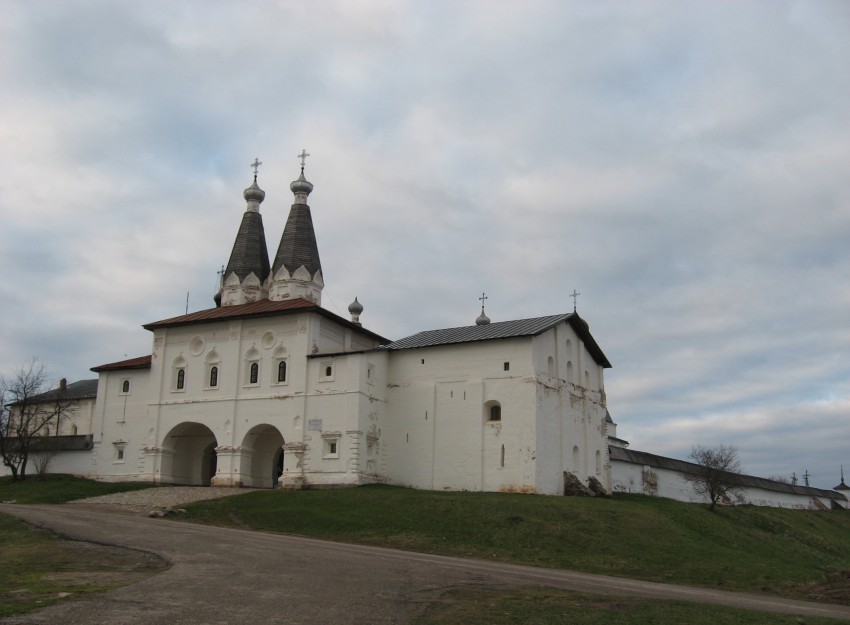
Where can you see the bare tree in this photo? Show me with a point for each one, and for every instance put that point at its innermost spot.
(29, 411)
(717, 474)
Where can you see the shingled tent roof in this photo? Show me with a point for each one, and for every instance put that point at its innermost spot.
(298, 243)
(502, 330)
(250, 253)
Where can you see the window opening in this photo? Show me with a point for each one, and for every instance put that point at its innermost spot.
(125, 386)
(181, 379)
(281, 371)
(495, 413)
(507, 366)
(503, 456)
(213, 376)
(255, 373)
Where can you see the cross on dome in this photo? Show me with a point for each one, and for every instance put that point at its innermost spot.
(303, 156)
(574, 295)
(256, 164)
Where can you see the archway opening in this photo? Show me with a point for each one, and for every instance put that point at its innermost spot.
(189, 455)
(262, 456)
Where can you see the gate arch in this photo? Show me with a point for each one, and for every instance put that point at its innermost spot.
(188, 455)
(261, 456)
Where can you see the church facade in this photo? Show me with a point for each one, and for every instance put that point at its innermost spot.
(269, 389)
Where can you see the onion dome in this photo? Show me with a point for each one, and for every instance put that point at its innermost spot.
(355, 308)
(301, 188)
(482, 319)
(254, 193)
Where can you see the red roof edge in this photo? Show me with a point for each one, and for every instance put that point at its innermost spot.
(142, 362)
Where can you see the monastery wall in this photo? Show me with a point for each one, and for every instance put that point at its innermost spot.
(441, 432)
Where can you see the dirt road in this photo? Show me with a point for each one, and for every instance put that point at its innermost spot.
(226, 576)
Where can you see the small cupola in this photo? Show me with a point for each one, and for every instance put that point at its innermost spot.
(482, 319)
(355, 308)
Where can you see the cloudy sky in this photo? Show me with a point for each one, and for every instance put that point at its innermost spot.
(685, 166)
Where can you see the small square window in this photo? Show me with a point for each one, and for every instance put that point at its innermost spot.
(326, 372)
(331, 447)
(118, 457)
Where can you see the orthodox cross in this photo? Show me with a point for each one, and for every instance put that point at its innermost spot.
(574, 295)
(303, 156)
(220, 274)
(256, 164)
(806, 477)
(482, 298)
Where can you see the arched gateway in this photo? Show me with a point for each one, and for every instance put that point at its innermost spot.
(188, 455)
(261, 458)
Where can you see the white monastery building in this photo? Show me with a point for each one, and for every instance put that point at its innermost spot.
(269, 389)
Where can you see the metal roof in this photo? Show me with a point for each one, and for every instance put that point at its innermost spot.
(501, 330)
(644, 458)
(82, 389)
(140, 362)
(262, 308)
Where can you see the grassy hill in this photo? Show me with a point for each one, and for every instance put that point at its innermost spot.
(804, 554)
(796, 553)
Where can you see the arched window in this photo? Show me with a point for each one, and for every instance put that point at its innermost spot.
(125, 386)
(492, 412)
(213, 377)
(255, 373)
(281, 371)
(178, 374)
(73, 430)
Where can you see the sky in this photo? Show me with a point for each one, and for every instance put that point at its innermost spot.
(684, 166)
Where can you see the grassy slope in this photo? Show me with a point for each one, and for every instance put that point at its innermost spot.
(59, 488)
(790, 552)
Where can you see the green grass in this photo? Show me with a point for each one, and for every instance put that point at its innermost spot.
(804, 554)
(59, 488)
(539, 606)
(37, 569)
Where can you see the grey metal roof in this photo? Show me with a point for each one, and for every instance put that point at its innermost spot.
(501, 330)
(84, 389)
(644, 458)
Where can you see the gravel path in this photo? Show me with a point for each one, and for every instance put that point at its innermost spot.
(160, 497)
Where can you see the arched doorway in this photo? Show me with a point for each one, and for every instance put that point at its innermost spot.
(262, 456)
(188, 455)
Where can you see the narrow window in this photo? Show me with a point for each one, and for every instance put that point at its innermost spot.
(213, 377)
(73, 430)
(281, 371)
(120, 457)
(495, 413)
(329, 371)
(507, 366)
(332, 448)
(125, 387)
(255, 373)
(181, 379)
